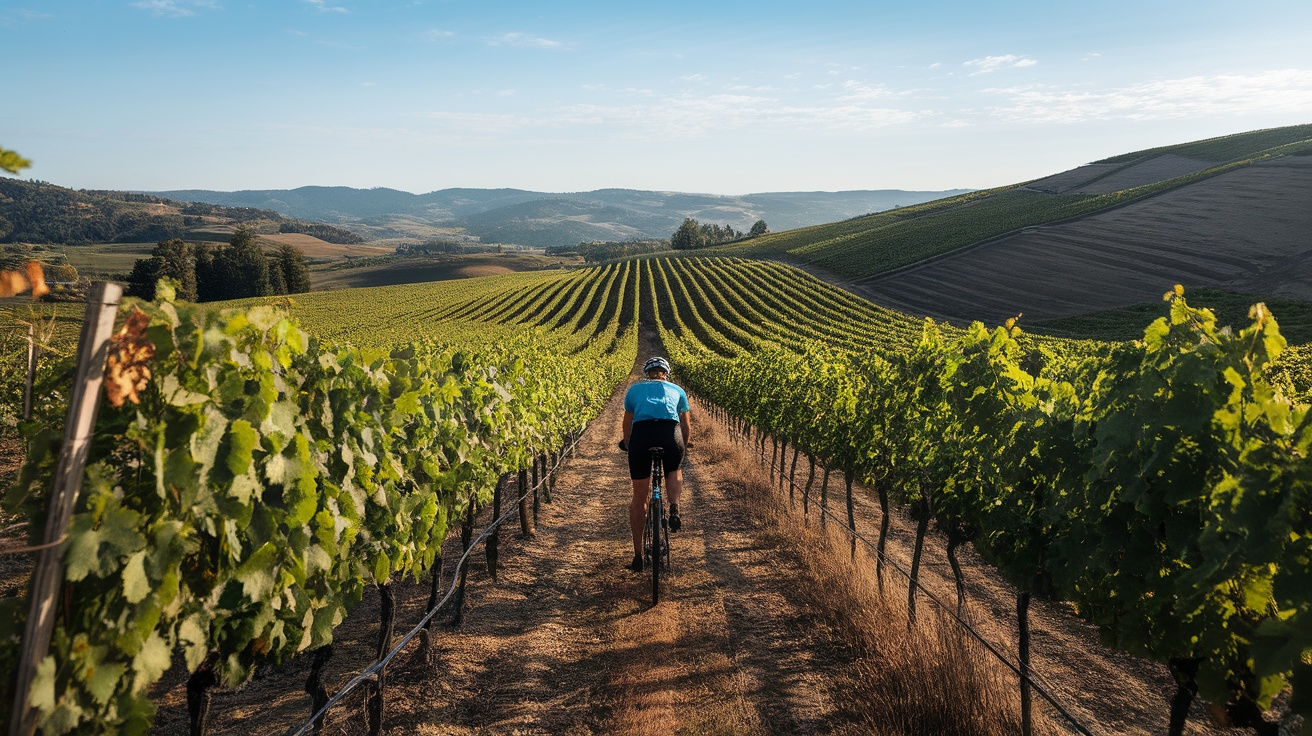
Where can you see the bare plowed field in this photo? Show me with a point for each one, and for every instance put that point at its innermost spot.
(1158, 168)
(315, 248)
(1245, 231)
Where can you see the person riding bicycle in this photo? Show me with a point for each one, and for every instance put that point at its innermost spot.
(655, 415)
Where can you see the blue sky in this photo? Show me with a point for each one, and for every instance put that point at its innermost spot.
(719, 97)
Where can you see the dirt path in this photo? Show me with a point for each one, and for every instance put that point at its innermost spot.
(567, 641)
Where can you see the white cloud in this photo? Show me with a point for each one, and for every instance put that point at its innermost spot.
(693, 116)
(1280, 91)
(794, 75)
(935, 65)
(990, 64)
(857, 91)
(680, 117)
(20, 17)
(438, 35)
(526, 41)
(323, 7)
(176, 8)
(694, 77)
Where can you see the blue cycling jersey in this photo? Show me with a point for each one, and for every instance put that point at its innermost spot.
(655, 399)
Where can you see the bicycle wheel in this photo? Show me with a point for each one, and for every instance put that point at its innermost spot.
(654, 532)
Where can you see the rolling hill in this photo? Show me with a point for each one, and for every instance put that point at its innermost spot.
(40, 212)
(520, 217)
(1232, 214)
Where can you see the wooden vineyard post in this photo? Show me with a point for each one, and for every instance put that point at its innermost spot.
(1184, 671)
(314, 684)
(824, 498)
(493, 544)
(774, 454)
(552, 458)
(810, 481)
(48, 573)
(792, 475)
(922, 513)
(31, 372)
(385, 631)
(783, 457)
(539, 458)
(198, 698)
(524, 528)
(851, 511)
(882, 490)
(1023, 622)
(466, 538)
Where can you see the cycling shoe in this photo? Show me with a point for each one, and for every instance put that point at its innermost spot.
(636, 565)
(675, 522)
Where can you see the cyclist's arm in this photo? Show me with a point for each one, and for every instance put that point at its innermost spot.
(685, 426)
(628, 426)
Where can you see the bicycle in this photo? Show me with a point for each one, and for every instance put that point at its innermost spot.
(656, 533)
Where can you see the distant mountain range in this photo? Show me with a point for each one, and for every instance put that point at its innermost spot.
(541, 219)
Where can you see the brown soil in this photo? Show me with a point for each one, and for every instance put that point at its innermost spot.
(1069, 180)
(438, 267)
(313, 247)
(1158, 168)
(1244, 231)
(472, 272)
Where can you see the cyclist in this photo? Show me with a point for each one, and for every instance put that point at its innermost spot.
(655, 415)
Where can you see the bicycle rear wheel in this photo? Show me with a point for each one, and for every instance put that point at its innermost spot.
(654, 533)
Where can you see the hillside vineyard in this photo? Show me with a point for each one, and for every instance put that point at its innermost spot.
(1159, 486)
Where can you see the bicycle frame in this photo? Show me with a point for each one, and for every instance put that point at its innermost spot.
(656, 536)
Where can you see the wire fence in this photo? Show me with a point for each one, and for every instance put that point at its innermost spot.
(375, 670)
(1027, 676)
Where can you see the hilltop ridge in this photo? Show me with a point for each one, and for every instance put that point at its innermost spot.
(1229, 213)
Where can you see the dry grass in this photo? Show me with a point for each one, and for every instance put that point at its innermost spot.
(930, 678)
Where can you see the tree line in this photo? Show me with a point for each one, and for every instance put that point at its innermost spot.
(692, 234)
(40, 212)
(235, 270)
(598, 252)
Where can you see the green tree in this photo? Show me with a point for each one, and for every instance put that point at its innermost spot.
(758, 228)
(207, 281)
(141, 282)
(277, 285)
(233, 271)
(171, 259)
(289, 261)
(688, 236)
(244, 267)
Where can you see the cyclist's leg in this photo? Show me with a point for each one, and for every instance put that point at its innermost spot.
(638, 511)
(674, 486)
(672, 445)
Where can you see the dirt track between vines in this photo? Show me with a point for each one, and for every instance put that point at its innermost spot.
(767, 628)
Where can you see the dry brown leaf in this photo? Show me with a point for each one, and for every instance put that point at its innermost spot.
(38, 279)
(12, 283)
(127, 370)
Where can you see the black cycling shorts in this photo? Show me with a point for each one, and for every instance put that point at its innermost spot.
(663, 433)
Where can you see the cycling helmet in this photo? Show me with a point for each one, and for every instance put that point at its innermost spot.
(655, 363)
